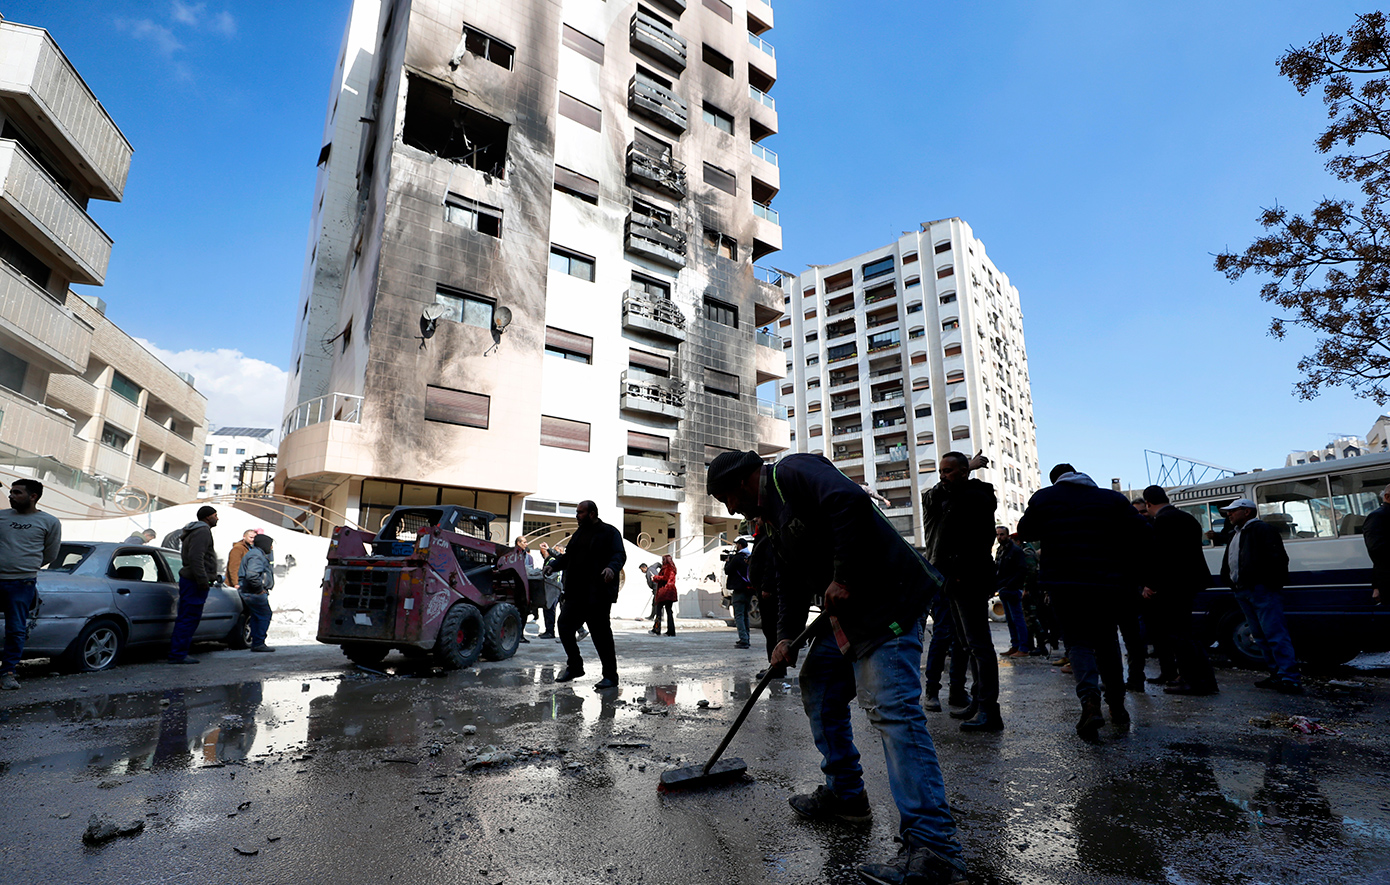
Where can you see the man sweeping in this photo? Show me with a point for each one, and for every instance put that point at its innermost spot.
(832, 545)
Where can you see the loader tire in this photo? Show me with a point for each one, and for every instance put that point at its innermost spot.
(501, 631)
(460, 637)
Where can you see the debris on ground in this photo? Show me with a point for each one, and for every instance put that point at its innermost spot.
(470, 729)
(1301, 724)
(1345, 683)
(100, 830)
(247, 852)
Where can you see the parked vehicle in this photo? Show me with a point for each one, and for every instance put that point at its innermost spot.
(431, 583)
(1319, 509)
(98, 599)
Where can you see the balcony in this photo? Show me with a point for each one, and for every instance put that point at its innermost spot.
(651, 37)
(650, 478)
(769, 301)
(652, 315)
(344, 407)
(890, 396)
(767, 213)
(34, 427)
(772, 430)
(39, 79)
(653, 394)
(844, 406)
(763, 153)
(659, 172)
(761, 44)
(40, 205)
(769, 362)
(762, 98)
(657, 103)
(39, 329)
(654, 240)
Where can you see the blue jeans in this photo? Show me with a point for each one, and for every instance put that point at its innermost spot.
(943, 643)
(257, 607)
(191, 601)
(740, 606)
(889, 689)
(1013, 612)
(16, 598)
(1089, 629)
(1264, 612)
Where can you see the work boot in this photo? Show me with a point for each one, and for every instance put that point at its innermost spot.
(988, 719)
(932, 702)
(1062, 661)
(569, 673)
(606, 682)
(8, 682)
(1269, 681)
(970, 712)
(957, 698)
(261, 648)
(825, 805)
(549, 634)
(1119, 716)
(1091, 720)
(913, 866)
(183, 661)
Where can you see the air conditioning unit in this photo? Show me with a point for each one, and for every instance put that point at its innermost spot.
(842, 450)
(839, 398)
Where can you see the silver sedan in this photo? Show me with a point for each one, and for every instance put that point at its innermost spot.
(98, 599)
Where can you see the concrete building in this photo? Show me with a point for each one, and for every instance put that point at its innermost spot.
(82, 406)
(1340, 447)
(530, 274)
(225, 451)
(904, 353)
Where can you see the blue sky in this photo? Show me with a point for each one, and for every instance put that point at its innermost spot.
(1103, 151)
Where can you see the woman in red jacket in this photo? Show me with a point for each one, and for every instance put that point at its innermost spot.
(665, 595)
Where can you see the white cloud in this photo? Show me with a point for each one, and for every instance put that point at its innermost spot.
(187, 13)
(241, 391)
(144, 29)
(224, 24)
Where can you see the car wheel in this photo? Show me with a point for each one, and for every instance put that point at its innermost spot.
(1238, 641)
(98, 647)
(755, 612)
(365, 653)
(501, 631)
(240, 637)
(460, 637)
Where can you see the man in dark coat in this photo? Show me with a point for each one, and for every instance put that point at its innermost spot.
(740, 593)
(1177, 573)
(1092, 539)
(1010, 574)
(958, 532)
(195, 580)
(1376, 533)
(831, 544)
(1256, 567)
(591, 562)
(762, 579)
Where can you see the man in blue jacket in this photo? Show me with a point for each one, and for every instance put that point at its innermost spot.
(832, 545)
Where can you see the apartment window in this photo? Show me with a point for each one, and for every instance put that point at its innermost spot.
(649, 363)
(583, 44)
(812, 383)
(959, 405)
(207, 450)
(489, 47)
(723, 179)
(651, 213)
(960, 433)
(721, 383)
(945, 272)
(573, 263)
(437, 124)
(812, 360)
(26, 262)
(217, 487)
(923, 412)
(221, 451)
(950, 325)
(473, 215)
(721, 9)
(717, 60)
(648, 445)
(717, 118)
(721, 244)
(563, 433)
(912, 281)
(581, 112)
(651, 287)
(942, 247)
(948, 298)
(569, 345)
(909, 258)
(812, 336)
(221, 468)
(813, 407)
(878, 268)
(241, 451)
(953, 350)
(721, 312)
(116, 439)
(955, 376)
(915, 307)
(125, 387)
(568, 181)
(465, 307)
(446, 405)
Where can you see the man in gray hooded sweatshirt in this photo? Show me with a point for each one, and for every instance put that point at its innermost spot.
(256, 578)
(195, 579)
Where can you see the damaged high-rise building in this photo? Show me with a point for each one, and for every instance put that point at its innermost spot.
(530, 277)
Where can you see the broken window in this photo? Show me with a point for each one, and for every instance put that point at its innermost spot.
(569, 345)
(347, 335)
(723, 179)
(717, 60)
(464, 408)
(473, 215)
(436, 123)
(717, 118)
(648, 445)
(721, 383)
(465, 307)
(573, 263)
(720, 312)
(563, 433)
(651, 287)
(568, 181)
(650, 213)
(721, 244)
(581, 112)
(324, 153)
(489, 47)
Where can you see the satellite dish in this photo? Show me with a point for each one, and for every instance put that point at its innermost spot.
(501, 318)
(429, 319)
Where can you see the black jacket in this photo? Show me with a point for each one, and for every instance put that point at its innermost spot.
(199, 559)
(762, 566)
(736, 573)
(1010, 569)
(587, 553)
(1262, 557)
(958, 530)
(1088, 535)
(1177, 564)
(1376, 533)
(824, 527)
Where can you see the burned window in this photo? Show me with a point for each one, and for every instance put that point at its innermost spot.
(347, 336)
(720, 312)
(651, 287)
(721, 9)
(648, 445)
(465, 307)
(721, 383)
(651, 145)
(717, 118)
(489, 47)
(573, 263)
(583, 44)
(723, 179)
(473, 215)
(651, 213)
(464, 408)
(721, 244)
(717, 60)
(567, 181)
(436, 123)
(581, 112)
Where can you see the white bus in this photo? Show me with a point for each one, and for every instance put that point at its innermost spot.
(1319, 509)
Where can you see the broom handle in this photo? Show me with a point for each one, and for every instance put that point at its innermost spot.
(811, 630)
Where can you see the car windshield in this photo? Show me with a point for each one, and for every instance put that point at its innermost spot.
(70, 556)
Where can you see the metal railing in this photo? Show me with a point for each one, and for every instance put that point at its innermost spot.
(767, 339)
(345, 407)
(766, 212)
(640, 303)
(763, 153)
(767, 275)
(762, 44)
(761, 97)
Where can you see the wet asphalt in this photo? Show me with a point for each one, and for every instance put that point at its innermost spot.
(299, 768)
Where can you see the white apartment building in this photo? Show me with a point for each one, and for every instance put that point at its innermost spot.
(530, 278)
(1340, 447)
(904, 353)
(226, 449)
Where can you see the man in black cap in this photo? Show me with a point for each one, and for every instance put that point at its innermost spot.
(195, 579)
(830, 542)
(592, 559)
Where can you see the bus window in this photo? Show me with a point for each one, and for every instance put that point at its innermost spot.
(1299, 508)
(1356, 494)
(1210, 518)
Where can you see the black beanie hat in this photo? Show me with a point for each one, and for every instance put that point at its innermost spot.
(205, 511)
(263, 543)
(729, 469)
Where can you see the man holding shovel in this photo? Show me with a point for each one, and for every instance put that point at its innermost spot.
(832, 543)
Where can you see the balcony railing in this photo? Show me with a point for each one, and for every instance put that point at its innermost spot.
(762, 44)
(344, 407)
(767, 275)
(655, 478)
(655, 239)
(766, 213)
(772, 410)
(657, 171)
(39, 201)
(892, 475)
(653, 393)
(767, 339)
(32, 313)
(658, 103)
(852, 428)
(889, 397)
(763, 153)
(645, 312)
(761, 97)
(651, 36)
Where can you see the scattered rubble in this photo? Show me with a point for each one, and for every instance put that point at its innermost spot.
(100, 830)
(1301, 724)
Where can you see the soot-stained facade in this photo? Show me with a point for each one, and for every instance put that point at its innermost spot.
(530, 278)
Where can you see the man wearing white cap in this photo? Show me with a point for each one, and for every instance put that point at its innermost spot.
(1256, 567)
